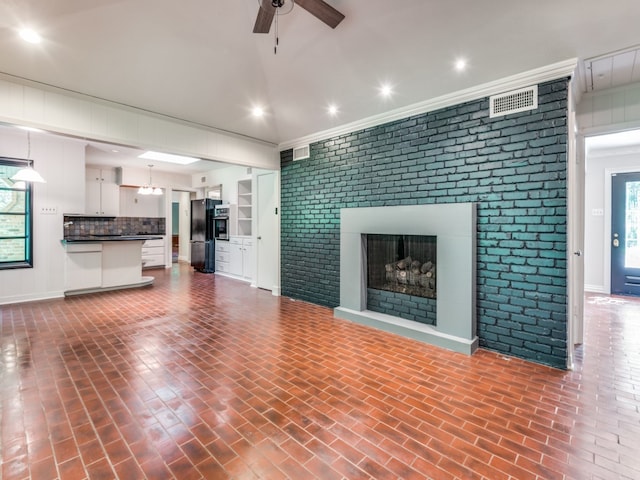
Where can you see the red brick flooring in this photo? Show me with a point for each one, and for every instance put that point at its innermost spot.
(204, 377)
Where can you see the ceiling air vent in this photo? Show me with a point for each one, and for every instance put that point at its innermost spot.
(514, 101)
(300, 152)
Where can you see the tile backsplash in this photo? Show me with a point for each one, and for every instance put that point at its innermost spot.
(80, 226)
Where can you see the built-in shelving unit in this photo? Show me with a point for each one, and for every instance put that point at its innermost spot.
(245, 207)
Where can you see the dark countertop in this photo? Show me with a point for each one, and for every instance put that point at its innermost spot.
(110, 238)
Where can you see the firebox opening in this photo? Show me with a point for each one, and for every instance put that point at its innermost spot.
(401, 276)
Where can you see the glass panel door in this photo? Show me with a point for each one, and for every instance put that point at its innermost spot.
(625, 229)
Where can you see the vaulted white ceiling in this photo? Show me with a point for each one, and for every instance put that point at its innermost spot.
(199, 61)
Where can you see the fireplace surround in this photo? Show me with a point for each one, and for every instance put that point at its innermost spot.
(454, 226)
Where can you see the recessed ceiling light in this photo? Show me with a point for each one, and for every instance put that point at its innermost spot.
(29, 35)
(257, 112)
(168, 157)
(386, 90)
(333, 110)
(460, 65)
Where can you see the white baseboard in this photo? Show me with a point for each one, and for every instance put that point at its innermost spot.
(594, 289)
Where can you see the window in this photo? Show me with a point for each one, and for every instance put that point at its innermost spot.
(15, 216)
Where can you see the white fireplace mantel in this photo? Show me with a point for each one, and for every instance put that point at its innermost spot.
(454, 225)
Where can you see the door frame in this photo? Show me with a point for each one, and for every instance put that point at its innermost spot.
(260, 215)
(608, 174)
(576, 159)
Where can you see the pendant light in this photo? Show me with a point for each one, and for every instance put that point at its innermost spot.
(28, 174)
(148, 189)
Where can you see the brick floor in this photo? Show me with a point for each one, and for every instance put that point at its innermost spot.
(202, 376)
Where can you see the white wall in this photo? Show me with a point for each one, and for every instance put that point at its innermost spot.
(132, 204)
(597, 227)
(61, 163)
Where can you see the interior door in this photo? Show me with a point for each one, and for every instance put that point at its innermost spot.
(625, 229)
(267, 235)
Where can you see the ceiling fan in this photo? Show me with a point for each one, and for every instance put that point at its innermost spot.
(318, 8)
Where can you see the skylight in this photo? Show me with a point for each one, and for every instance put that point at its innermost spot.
(168, 157)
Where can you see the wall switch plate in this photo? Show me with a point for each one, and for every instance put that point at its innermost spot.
(48, 210)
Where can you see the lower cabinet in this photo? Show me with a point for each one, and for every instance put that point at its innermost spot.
(83, 266)
(153, 253)
(235, 257)
(222, 256)
(247, 259)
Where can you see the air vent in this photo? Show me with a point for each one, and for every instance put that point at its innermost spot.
(300, 152)
(513, 102)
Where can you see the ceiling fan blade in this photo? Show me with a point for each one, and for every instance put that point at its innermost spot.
(264, 18)
(323, 11)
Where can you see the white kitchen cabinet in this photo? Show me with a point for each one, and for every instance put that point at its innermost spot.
(247, 259)
(222, 256)
(241, 257)
(93, 266)
(83, 266)
(153, 253)
(102, 192)
(235, 257)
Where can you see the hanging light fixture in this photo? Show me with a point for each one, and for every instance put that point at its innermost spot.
(149, 189)
(28, 174)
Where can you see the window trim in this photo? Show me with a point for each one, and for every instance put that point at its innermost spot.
(28, 237)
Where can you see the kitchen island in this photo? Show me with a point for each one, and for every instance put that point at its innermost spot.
(97, 263)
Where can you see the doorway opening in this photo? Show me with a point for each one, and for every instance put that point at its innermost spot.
(612, 186)
(625, 226)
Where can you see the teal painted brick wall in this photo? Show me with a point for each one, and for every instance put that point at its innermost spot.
(513, 167)
(409, 307)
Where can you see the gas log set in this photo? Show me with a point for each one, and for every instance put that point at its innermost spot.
(411, 277)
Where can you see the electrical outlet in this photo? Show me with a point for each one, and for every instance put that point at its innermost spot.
(48, 210)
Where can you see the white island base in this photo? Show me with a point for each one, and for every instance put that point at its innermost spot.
(97, 266)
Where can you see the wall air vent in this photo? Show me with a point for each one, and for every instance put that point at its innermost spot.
(515, 101)
(300, 152)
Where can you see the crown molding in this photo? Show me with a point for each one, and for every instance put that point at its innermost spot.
(554, 71)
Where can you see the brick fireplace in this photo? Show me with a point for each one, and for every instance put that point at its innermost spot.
(454, 228)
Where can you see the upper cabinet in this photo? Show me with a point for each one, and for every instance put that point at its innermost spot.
(245, 207)
(102, 192)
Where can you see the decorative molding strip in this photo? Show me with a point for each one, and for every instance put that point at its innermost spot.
(550, 72)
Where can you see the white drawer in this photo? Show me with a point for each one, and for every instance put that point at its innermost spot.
(248, 242)
(222, 267)
(83, 247)
(222, 246)
(159, 242)
(152, 260)
(235, 241)
(222, 257)
(152, 250)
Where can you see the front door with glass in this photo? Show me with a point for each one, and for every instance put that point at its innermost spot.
(625, 229)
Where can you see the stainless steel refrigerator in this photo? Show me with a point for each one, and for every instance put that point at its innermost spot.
(203, 249)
